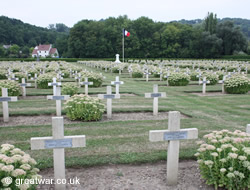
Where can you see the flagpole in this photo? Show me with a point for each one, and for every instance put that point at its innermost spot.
(123, 44)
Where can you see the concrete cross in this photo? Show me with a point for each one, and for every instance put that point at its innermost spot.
(160, 73)
(147, 73)
(248, 128)
(58, 97)
(55, 84)
(58, 142)
(173, 135)
(35, 79)
(23, 85)
(109, 96)
(120, 70)
(199, 77)
(13, 78)
(167, 76)
(5, 99)
(27, 75)
(204, 82)
(117, 84)
(222, 82)
(155, 95)
(86, 83)
(79, 78)
(70, 73)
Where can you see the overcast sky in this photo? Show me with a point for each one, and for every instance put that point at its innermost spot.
(45, 12)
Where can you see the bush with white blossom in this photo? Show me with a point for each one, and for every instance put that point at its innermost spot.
(13, 87)
(224, 159)
(178, 79)
(16, 164)
(84, 108)
(237, 84)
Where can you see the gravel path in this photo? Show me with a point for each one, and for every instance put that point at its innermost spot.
(47, 119)
(131, 177)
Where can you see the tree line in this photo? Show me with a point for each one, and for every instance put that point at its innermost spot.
(148, 39)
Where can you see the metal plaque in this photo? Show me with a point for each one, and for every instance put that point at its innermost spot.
(155, 95)
(175, 135)
(108, 96)
(58, 97)
(117, 82)
(5, 99)
(23, 84)
(58, 143)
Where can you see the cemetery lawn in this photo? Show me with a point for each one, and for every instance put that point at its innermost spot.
(127, 142)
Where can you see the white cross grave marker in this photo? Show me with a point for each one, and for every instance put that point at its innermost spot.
(35, 79)
(58, 97)
(13, 78)
(222, 82)
(5, 99)
(55, 84)
(58, 142)
(79, 78)
(204, 82)
(23, 85)
(109, 96)
(155, 95)
(86, 83)
(167, 76)
(248, 128)
(199, 76)
(160, 73)
(147, 73)
(173, 135)
(117, 84)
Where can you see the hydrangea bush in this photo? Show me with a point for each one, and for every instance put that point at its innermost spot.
(16, 164)
(96, 78)
(224, 159)
(44, 79)
(69, 89)
(237, 84)
(20, 75)
(3, 74)
(84, 108)
(178, 79)
(212, 77)
(13, 87)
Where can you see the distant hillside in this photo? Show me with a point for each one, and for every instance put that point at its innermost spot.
(244, 24)
(13, 31)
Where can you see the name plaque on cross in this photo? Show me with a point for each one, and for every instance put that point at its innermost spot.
(58, 143)
(155, 95)
(106, 96)
(58, 97)
(4, 99)
(175, 135)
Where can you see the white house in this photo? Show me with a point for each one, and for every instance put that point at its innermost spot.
(45, 51)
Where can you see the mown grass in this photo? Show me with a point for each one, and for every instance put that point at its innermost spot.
(127, 142)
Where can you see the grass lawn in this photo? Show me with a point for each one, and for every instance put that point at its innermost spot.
(128, 141)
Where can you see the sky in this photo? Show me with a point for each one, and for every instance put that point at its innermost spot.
(45, 12)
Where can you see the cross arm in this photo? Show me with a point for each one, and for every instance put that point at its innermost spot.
(161, 135)
(39, 143)
(64, 97)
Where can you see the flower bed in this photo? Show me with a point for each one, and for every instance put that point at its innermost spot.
(84, 108)
(237, 84)
(224, 159)
(178, 79)
(13, 87)
(15, 165)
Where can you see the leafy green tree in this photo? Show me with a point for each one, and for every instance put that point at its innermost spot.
(210, 23)
(233, 39)
(2, 51)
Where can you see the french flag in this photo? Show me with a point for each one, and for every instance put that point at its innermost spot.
(126, 33)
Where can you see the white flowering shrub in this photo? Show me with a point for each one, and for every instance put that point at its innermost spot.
(3, 74)
(212, 77)
(224, 159)
(16, 164)
(193, 76)
(84, 108)
(44, 79)
(96, 78)
(69, 89)
(237, 84)
(13, 87)
(20, 75)
(178, 79)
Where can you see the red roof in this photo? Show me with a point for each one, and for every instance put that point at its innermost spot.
(52, 51)
(44, 47)
(34, 51)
